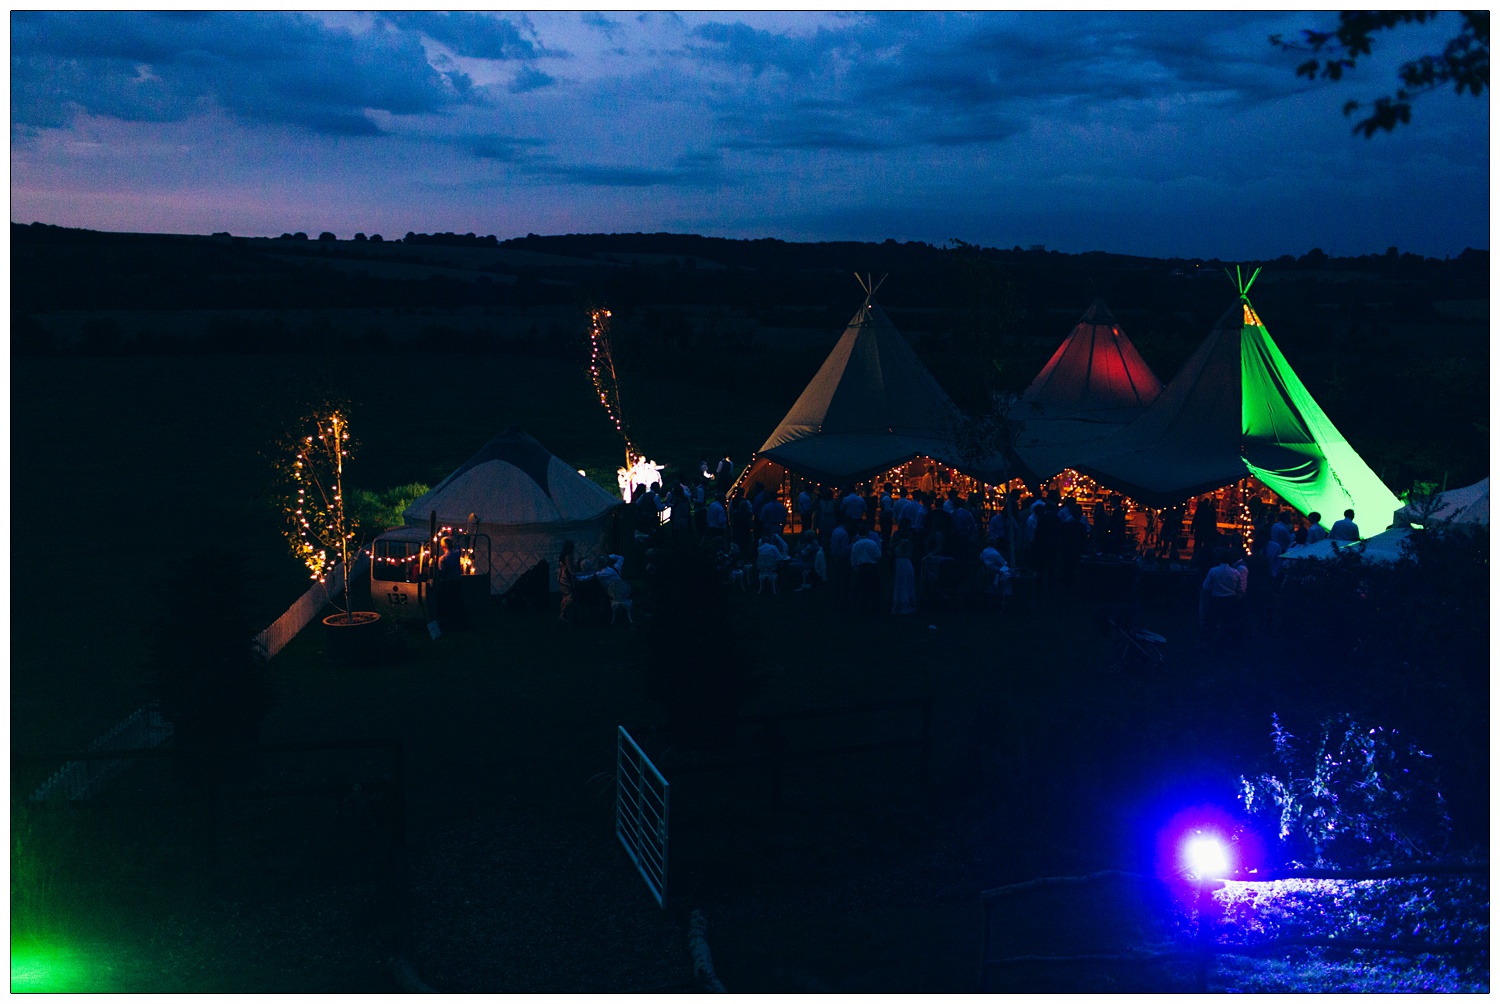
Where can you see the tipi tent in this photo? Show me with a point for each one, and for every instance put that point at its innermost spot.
(870, 407)
(1188, 440)
(1094, 383)
(1289, 444)
(1237, 407)
(525, 500)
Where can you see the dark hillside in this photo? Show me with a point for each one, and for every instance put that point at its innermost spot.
(1394, 346)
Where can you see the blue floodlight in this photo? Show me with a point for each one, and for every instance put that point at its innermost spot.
(1206, 857)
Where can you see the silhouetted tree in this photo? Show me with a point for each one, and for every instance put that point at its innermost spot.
(1464, 61)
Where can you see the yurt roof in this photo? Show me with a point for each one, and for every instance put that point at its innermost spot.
(513, 480)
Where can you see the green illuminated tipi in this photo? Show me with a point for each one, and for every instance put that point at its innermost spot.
(1237, 407)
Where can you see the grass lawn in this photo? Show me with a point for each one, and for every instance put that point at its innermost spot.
(122, 464)
(1044, 760)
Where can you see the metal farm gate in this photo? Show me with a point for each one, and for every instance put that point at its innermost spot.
(642, 796)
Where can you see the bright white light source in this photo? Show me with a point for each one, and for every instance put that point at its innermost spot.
(1206, 857)
(641, 472)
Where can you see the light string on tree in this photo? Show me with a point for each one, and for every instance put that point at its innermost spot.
(606, 380)
(316, 513)
(638, 471)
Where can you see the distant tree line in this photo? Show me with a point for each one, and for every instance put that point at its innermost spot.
(1393, 345)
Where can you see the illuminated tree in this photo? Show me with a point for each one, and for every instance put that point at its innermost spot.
(310, 461)
(1464, 61)
(606, 381)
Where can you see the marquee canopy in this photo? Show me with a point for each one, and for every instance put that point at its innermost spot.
(1455, 507)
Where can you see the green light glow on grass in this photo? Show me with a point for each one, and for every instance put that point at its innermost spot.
(44, 969)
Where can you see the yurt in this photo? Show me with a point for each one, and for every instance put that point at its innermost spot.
(526, 501)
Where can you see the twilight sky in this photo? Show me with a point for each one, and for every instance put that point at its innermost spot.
(1146, 133)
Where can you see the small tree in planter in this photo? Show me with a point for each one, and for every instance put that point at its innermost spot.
(320, 527)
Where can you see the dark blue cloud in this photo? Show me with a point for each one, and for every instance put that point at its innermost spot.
(948, 79)
(506, 149)
(804, 129)
(261, 67)
(593, 19)
(469, 33)
(530, 79)
(758, 50)
(686, 171)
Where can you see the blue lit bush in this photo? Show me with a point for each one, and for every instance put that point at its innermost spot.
(1359, 797)
(1406, 645)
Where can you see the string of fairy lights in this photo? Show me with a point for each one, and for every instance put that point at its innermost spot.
(1231, 501)
(318, 522)
(606, 380)
(1068, 484)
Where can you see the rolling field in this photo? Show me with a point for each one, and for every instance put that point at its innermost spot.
(1044, 760)
(122, 464)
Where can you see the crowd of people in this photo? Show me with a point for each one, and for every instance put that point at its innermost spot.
(896, 548)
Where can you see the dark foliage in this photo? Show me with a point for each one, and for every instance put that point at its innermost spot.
(1406, 645)
(970, 355)
(212, 685)
(448, 239)
(1464, 61)
(1360, 797)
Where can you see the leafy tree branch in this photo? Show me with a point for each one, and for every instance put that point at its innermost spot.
(1464, 62)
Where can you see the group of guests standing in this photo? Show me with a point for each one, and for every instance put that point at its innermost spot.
(928, 544)
(946, 547)
(1238, 586)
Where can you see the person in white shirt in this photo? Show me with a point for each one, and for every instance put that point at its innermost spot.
(996, 570)
(767, 563)
(615, 587)
(1316, 531)
(1031, 521)
(865, 550)
(805, 509)
(1219, 602)
(1345, 529)
(916, 511)
(1281, 530)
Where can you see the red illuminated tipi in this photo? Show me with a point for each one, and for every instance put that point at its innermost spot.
(1095, 383)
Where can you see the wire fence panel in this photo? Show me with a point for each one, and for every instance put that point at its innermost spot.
(642, 798)
(144, 728)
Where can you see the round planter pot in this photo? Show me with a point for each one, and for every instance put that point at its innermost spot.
(353, 639)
